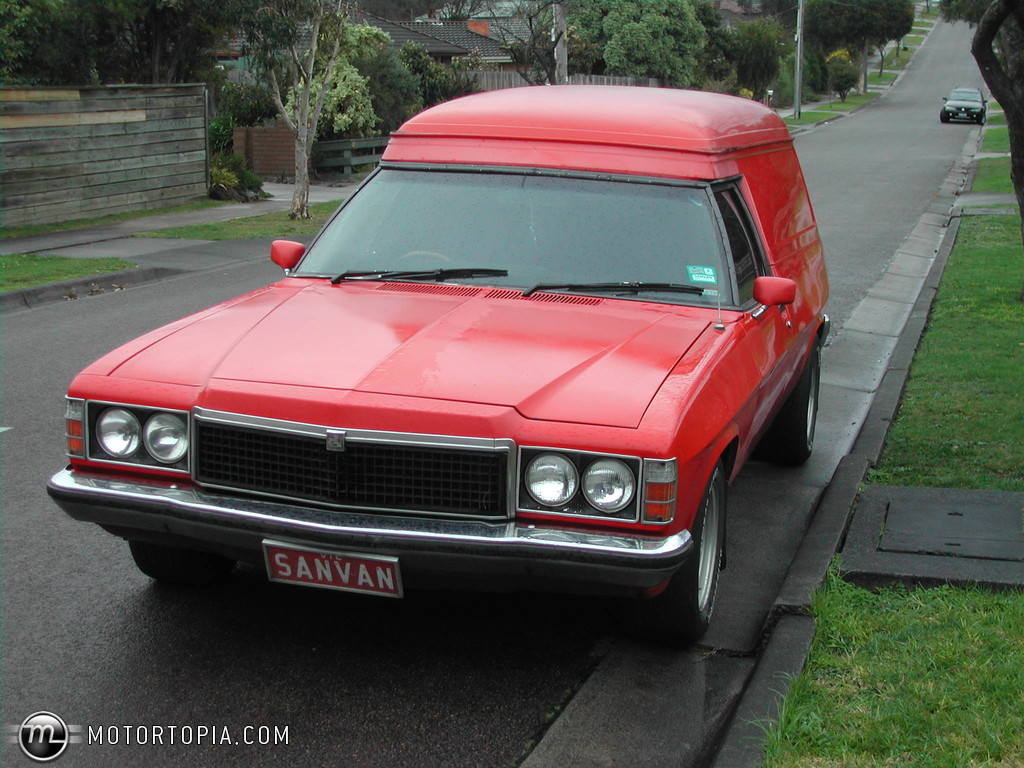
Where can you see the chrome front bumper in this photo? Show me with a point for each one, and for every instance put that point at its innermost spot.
(432, 552)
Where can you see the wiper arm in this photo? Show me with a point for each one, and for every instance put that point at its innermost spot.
(419, 274)
(630, 287)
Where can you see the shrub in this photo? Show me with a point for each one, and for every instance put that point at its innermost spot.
(246, 104)
(221, 133)
(843, 75)
(231, 178)
(223, 177)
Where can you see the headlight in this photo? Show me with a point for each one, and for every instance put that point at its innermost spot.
(166, 438)
(118, 432)
(551, 479)
(609, 485)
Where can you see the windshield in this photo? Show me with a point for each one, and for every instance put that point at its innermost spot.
(966, 95)
(540, 229)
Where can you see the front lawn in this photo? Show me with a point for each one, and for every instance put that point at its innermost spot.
(996, 140)
(993, 175)
(268, 225)
(929, 678)
(960, 422)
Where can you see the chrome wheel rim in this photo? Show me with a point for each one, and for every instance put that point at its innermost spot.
(812, 409)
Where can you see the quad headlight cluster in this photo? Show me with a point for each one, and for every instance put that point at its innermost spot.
(594, 485)
(128, 434)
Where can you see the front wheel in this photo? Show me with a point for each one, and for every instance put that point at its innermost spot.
(682, 612)
(171, 565)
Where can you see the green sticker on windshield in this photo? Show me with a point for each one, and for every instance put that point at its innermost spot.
(702, 274)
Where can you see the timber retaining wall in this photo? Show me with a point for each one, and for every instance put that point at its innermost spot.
(73, 153)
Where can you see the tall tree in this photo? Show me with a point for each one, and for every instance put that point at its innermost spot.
(530, 41)
(757, 50)
(893, 20)
(998, 47)
(857, 24)
(83, 42)
(305, 48)
(643, 38)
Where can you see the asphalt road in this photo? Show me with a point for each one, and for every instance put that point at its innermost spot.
(435, 680)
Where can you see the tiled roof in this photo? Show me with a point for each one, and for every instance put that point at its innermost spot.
(457, 33)
(401, 35)
(734, 12)
(509, 29)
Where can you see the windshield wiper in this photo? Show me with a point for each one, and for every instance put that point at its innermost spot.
(631, 287)
(419, 274)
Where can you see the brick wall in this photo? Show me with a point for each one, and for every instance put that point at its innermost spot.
(270, 149)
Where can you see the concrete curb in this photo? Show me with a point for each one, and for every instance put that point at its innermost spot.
(70, 290)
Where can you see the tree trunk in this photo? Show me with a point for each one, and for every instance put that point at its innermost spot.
(864, 68)
(1005, 18)
(300, 195)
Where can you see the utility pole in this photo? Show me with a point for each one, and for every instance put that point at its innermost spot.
(561, 44)
(798, 80)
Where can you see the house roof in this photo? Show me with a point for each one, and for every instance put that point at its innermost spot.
(401, 35)
(457, 33)
(733, 12)
(509, 29)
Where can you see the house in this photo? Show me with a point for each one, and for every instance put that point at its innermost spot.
(440, 50)
(471, 35)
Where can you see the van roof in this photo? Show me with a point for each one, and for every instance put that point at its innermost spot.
(622, 116)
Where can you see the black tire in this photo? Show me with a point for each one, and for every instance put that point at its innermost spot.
(943, 117)
(170, 565)
(790, 438)
(682, 612)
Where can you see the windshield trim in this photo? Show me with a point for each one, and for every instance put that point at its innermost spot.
(705, 186)
(527, 170)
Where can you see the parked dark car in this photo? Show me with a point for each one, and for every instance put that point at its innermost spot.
(964, 104)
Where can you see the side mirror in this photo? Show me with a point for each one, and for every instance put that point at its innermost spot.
(286, 253)
(774, 290)
(945, 98)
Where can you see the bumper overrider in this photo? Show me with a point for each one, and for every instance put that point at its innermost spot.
(431, 552)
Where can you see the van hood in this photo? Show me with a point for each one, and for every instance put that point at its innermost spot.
(552, 357)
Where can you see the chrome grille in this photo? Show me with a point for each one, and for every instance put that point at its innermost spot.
(366, 475)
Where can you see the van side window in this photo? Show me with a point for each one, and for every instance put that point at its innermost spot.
(745, 254)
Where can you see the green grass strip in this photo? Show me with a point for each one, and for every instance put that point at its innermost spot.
(881, 79)
(63, 226)
(960, 422)
(268, 225)
(27, 270)
(993, 175)
(907, 678)
(996, 140)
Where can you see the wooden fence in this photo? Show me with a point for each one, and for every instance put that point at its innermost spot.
(495, 81)
(73, 153)
(332, 157)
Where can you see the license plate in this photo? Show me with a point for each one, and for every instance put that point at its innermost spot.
(350, 572)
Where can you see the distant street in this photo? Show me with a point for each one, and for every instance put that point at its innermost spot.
(459, 681)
